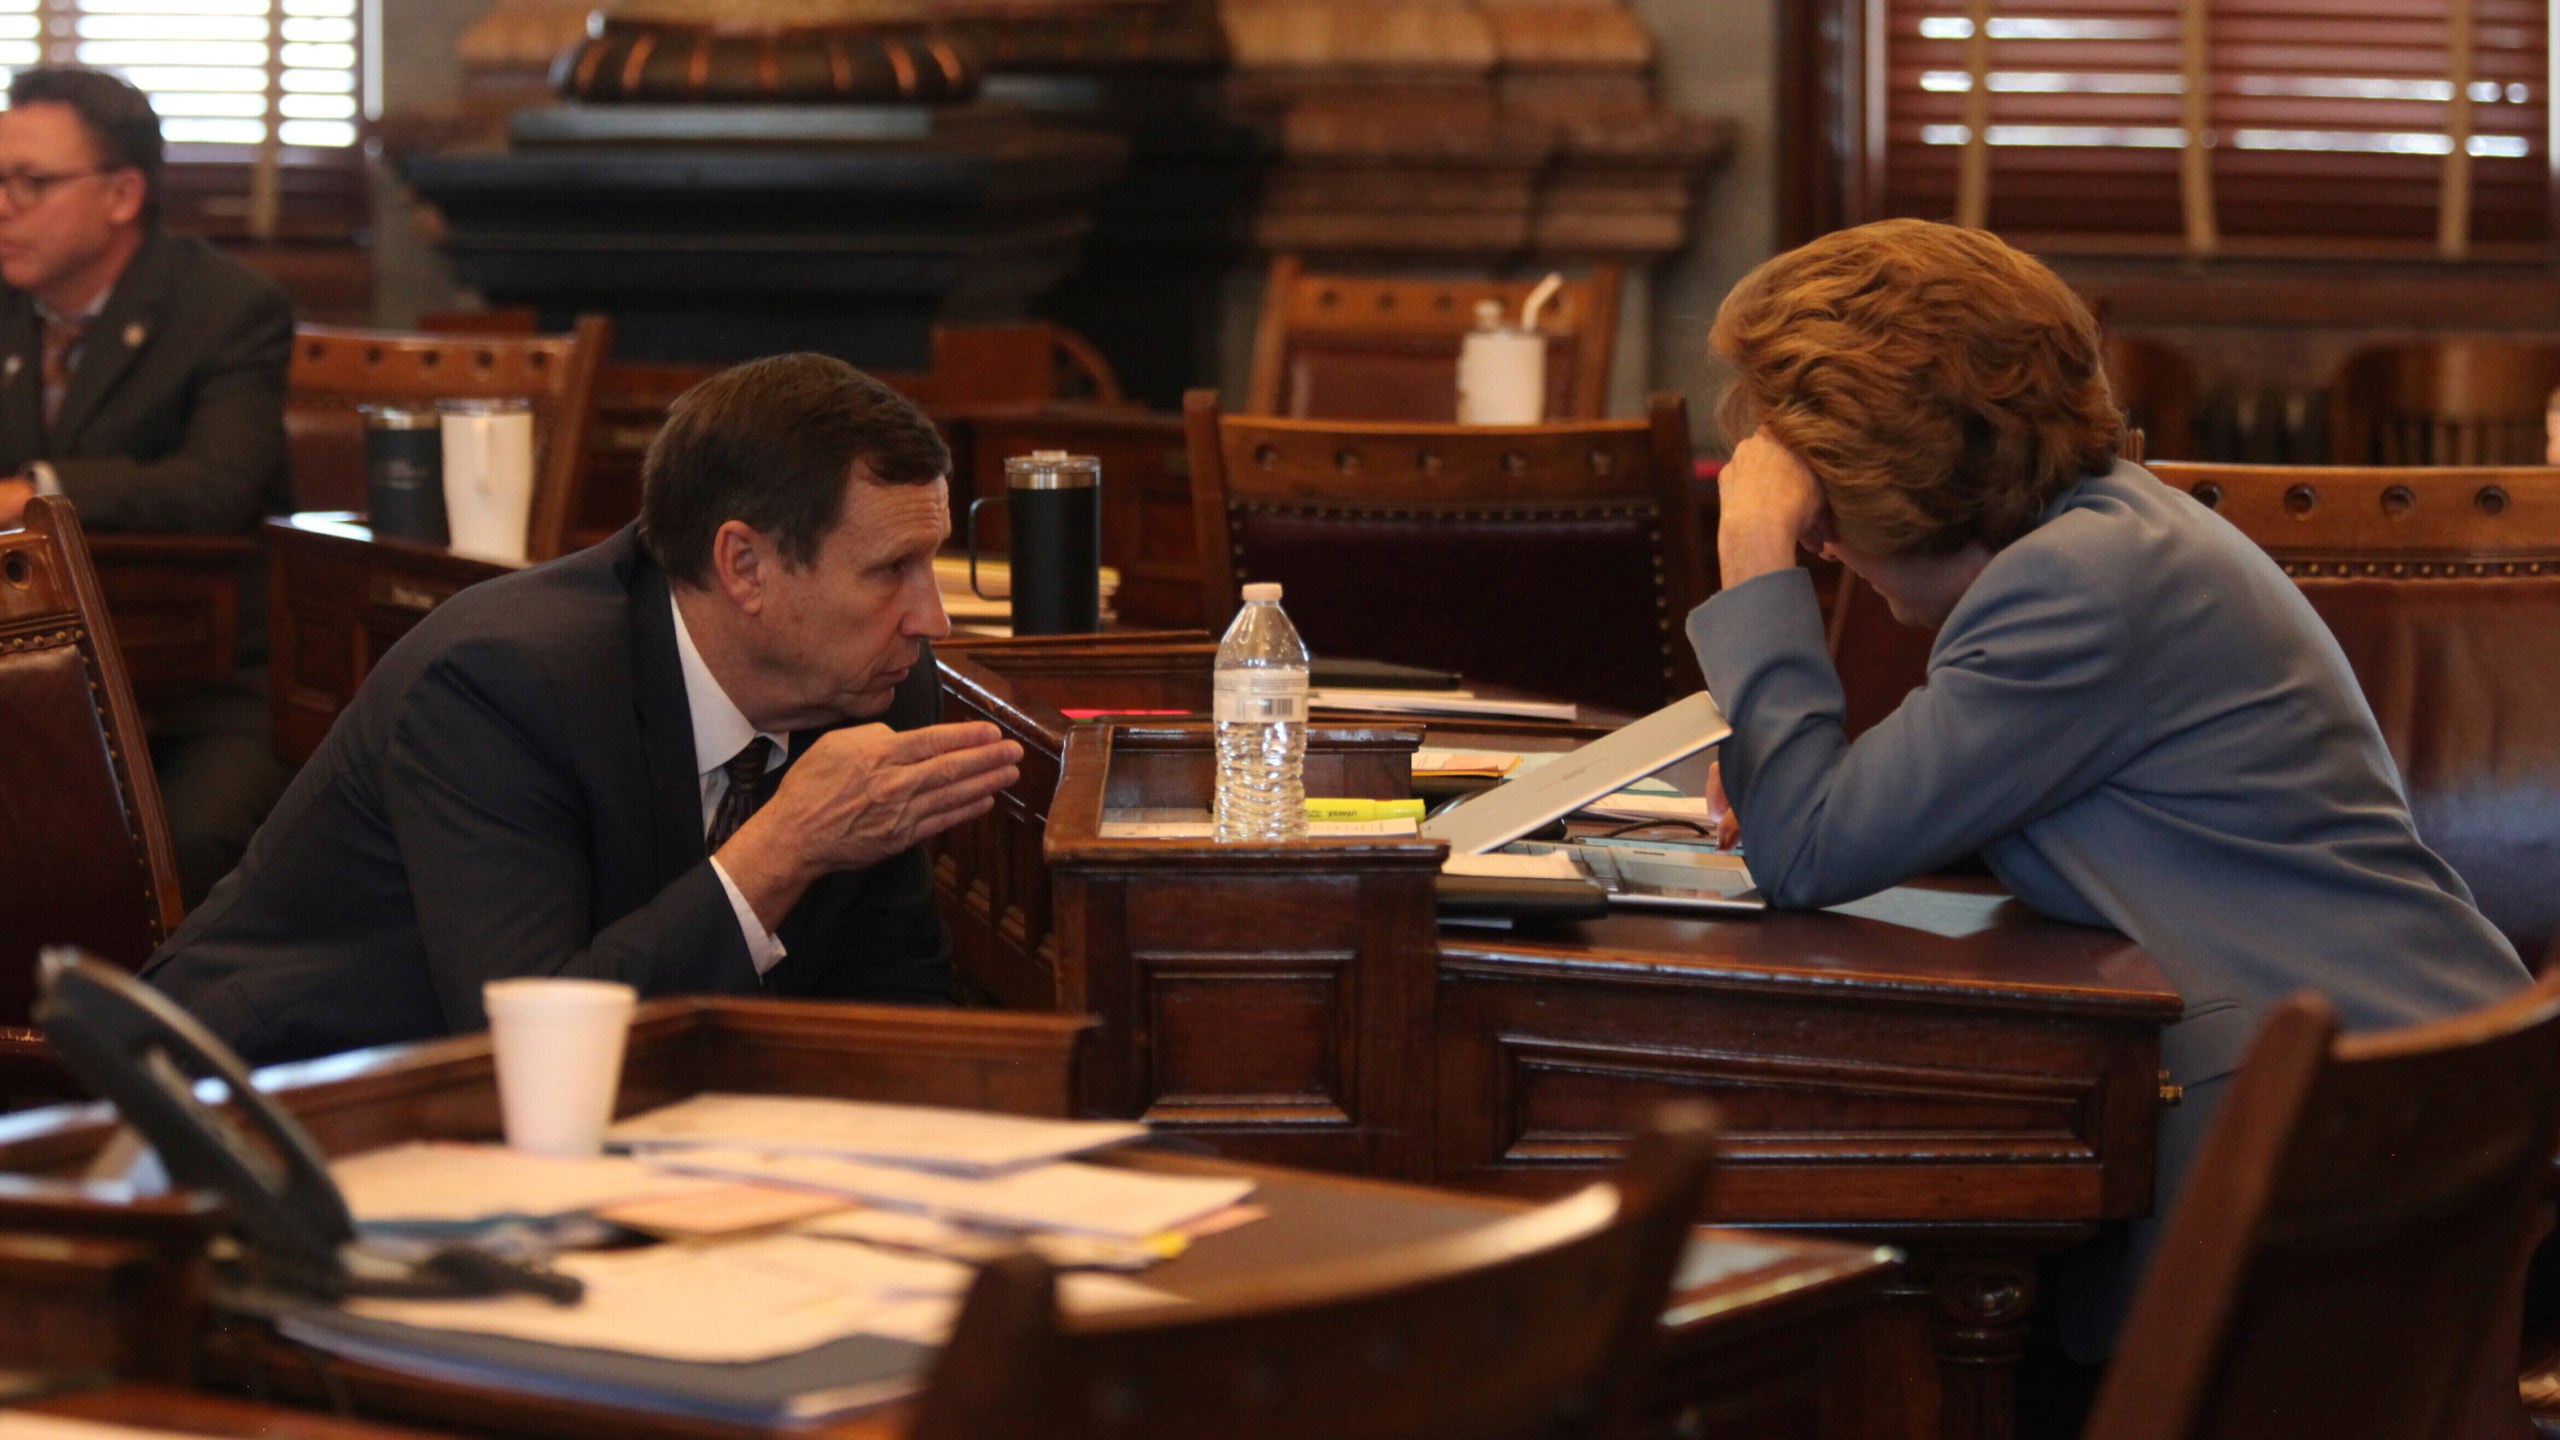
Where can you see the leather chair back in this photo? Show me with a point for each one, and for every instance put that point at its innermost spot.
(336, 369)
(2443, 402)
(1537, 1325)
(1559, 559)
(2343, 1258)
(89, 859)
(2443, 588)
(1355, 347)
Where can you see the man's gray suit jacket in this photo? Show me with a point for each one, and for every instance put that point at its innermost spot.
(513, 792)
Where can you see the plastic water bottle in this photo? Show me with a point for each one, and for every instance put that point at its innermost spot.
(1261, 712)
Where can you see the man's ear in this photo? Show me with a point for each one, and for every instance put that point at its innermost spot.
(742, 565)
(126, 192)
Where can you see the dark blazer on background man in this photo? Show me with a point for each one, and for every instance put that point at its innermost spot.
(513, 792)
(174, 419)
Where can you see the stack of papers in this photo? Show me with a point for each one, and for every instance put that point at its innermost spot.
(880, 1200)
(422, 1183)
(1437, 702)
(1079, 1199)
(924, 1136)
(1490, 764)
(739, 1303)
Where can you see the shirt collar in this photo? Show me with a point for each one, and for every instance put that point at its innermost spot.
(720, 728)
(91, 311)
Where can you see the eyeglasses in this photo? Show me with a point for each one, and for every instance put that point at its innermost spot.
(26, 189)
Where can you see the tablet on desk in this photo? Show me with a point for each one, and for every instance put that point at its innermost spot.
(1565, 784)
(1666, 877)
(1633, 874)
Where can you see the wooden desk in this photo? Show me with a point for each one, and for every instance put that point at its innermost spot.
(339, 597)
(193, 1412)
(121, 1285)
(175, 601)
(1937, 1066)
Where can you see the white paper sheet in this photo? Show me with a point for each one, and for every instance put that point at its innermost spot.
(1078, 1199)
(1437, 702)
(448, 1182)
(1553, 865)
(719, 1304)
(738, 1303)
(21, 1425)
(927, 1319)
(960, 1141)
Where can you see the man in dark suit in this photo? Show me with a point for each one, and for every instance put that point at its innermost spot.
(564, 771)
(142, 375)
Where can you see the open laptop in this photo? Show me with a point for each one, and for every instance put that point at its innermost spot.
(1663, 877)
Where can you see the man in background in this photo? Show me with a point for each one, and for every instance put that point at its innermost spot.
(142, 376)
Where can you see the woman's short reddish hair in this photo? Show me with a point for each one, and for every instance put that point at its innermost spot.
(1941, 385)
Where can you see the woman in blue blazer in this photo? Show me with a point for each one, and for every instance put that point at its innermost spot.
(2131, 714)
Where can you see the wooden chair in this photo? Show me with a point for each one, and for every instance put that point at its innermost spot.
(89, 860)
(2443, 588)
(335, 370)
(1560, 559)
(2444, 402)
(1533, 1326)
(1353, 347)
(2342, 1261)
(2156, 388)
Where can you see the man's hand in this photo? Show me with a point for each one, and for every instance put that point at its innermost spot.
(1770, 505)
(859, 796)
(15, 492)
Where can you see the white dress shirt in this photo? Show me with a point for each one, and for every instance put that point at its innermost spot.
(720, 731)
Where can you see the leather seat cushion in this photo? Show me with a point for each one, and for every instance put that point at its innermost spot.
(1565, 604)
(77, 876)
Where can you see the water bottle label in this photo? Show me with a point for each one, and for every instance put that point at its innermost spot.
(1261, 697)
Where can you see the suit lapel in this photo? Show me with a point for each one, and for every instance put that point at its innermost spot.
(21, 383)
(666, 721)
(114, 340)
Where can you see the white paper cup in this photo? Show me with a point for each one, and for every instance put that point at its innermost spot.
(488, 477)
(1502, 378)
(559, 1050)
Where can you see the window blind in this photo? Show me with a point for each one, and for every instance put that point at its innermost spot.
(2328, 123)
(222, 73)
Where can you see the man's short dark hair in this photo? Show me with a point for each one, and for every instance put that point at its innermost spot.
(122, 126)
(772, 442)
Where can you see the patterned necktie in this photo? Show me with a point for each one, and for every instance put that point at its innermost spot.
(61, 337)
(748, 786)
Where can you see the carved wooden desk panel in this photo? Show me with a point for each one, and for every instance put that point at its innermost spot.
(341, 597)
(1784, 1347)
(176, 604)
(1938, 1053)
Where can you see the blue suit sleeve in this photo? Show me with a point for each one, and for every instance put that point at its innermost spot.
(2029, 702)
